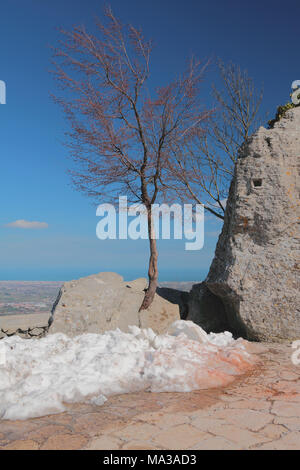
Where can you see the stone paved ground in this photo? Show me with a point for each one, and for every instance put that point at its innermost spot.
(259, 411)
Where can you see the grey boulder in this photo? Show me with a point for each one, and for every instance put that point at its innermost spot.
(103, 302)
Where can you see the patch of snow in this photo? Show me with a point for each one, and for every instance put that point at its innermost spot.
(190, 329)
(40, 375)
(221, 339)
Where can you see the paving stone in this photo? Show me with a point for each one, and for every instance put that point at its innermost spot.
(163, 420)
(97, 423)
(21, 445)
(247, 418)
(234, 433)
(104, 443)
(134, 431)
(273, 431)
(250, 404)
(292, 424)
(286, 409)
(139, 445)
(45, 432)
(289, 442)
(216, 443)
(179, 437)
(65, 442)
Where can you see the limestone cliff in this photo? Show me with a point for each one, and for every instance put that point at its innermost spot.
(256, 269)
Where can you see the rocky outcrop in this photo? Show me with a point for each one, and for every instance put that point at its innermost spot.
(256, 269)
(104, 302)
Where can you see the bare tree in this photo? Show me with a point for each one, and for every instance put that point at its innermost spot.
(121, 139)
(205, 169)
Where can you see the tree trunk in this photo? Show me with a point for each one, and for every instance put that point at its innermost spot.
(153, 269)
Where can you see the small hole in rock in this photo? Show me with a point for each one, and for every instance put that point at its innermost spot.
(257, 182)
(268, 140)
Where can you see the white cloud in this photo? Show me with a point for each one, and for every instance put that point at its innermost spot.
(27, 224)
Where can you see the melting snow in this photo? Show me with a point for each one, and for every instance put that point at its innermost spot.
(39, 375)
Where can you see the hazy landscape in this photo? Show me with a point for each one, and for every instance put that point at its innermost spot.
(24, 297)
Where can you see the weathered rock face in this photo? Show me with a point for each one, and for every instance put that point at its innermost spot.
(104, 302)
(256, 268)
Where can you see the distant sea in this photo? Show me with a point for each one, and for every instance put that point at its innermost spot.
(63, 274)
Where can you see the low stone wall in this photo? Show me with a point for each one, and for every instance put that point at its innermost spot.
(26, 326)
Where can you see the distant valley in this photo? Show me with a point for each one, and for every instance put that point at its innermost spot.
(23, 297)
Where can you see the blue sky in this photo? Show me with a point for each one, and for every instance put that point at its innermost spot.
(261, 36)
